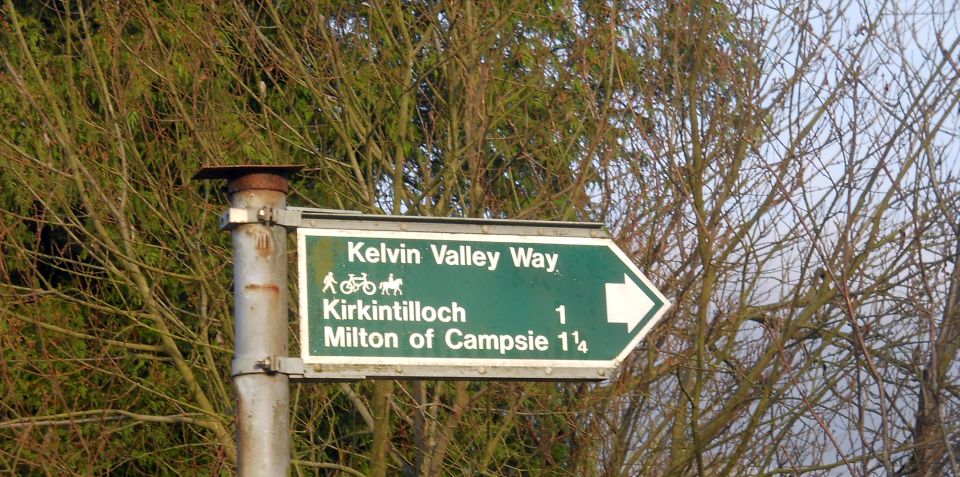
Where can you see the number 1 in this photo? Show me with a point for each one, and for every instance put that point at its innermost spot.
(563, 314)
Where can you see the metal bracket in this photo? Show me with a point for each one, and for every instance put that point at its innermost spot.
(295, 369)
(292, 367)
(288, 218)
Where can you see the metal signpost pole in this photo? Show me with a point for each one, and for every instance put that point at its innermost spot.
(260, 308)
(260, 328)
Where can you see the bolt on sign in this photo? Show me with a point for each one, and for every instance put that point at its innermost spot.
(462, 305)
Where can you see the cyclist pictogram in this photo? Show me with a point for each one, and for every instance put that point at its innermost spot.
(355, 283)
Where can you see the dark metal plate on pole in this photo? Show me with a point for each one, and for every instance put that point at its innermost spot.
(246, 177)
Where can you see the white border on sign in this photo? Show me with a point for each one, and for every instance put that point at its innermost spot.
(303, 233)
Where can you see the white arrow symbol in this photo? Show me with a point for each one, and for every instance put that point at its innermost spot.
(626, 303)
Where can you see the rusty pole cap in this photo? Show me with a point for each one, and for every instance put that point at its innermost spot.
(250, 176)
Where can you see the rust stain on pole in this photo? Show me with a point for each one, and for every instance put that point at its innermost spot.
(262, 242)
(259, 181)
(269, 287)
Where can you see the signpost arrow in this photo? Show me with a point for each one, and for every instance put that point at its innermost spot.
(626, 303)
(496, 302)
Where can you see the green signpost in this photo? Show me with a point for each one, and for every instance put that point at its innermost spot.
(389, 303)
(407, 297)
